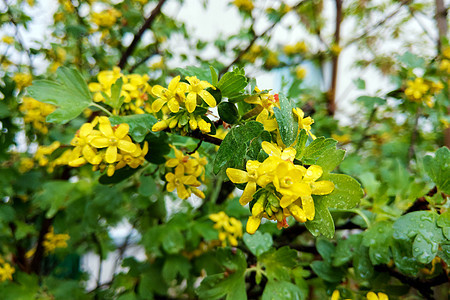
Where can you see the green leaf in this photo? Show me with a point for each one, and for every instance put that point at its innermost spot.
(301, 143)
(70, 94)
(330, 159)
(140, 125)
(214, 76)
(443, 222)
(232, 84)
(360, 84)
(438, 168)
(116, 99)
(233, 148)
(325, 249)
(323, 221)
(347, 192)
(258, 243)
(424, 249)
(412, 61)
(275, 290)
(54, 196)
(278, 262)
(346, 249)
(158, 147)
(228, 112)
(361, 263)
(231, 284)
(201, 73)
(172, 240)
(327, 272)
(119, 175)
(173, 265)
(378, 237)
(287, 125)
(147, 186)
(314, 150)
(371, 102)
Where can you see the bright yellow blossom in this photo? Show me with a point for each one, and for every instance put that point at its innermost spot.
(197, 88)
(8, 39)
(380, 296)
(300, 72)
(173, 95)
(416, 89)
(179, 180)
(299, 47)
(35, 113)
(249, 177)
(303, 123)
(53, 241)
(106, 18)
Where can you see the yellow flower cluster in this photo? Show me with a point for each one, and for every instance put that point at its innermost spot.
(245, 5)
(134, 90)
(22, 80)
(182, 99)
(6, 271)
(230, 229)
(254, 52)
(106, 18)
(35, 113)
(109, 147)
(444, 65)
(272, 60)
(422, 90)
(284, 188)
(53, 241)
(8, 39)
(185, 176)
(299, 47)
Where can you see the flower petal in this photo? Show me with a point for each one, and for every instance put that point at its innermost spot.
(313, 173)
(100, 142)
(208, 98)
(308, 206)
(158, 104)
(237, 176)
(323, 187)
(191, 102)
(122, 130)
(271, 149)
(253, 224)
(126, 146)
(248, 193)
(173, 105)
(111, 154)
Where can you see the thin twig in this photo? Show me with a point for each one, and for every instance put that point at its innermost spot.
(204, 137)
(137, 37)
(196, 148)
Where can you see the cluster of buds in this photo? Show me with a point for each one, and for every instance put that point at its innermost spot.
(278, 188)
(182, 99)
(229, 228)
(109, 147)
(422, 90)
(135, 90)
(184, 178)
(35, 113)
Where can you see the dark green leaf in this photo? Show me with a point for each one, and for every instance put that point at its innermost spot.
(347, 192)
(55, 196)
(326, 271)
(287, 125)
(158, 147)
(173, 265)
(325, 249)
(228, 112)
(361, 263)
(323, 222)
(346, 249)
(119, 175)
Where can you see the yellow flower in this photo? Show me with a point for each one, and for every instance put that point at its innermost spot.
(336, 295)
(271, 149)
(299, 47)
(228, 227)
(82, 140)
(245, 5)
(197, 88)
(335, 49)
(53, 241)
(106, 18)
(270, 124)
(252, 224)
(300, 72)
(303, 123)
(249, 177)
(272, 60)
(35, 113)
(22, 80)
(173, 95)
(43, 151)
(373, 296)
(8, 39)
(26, 164)
(6, 272)
(178, 181)
(113, 139)
(416, 89)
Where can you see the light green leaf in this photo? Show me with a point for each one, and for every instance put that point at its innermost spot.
(258, 243)
(347, 192)
(276, 290)
(201, 73)
(214, 76)
(378, 237)
(314, 150)
(278, 262)
(371, 102)
(232, 84)
(330, 159)
(287, 125)
(424, 249)
(70, 94)
(325, 249)
(438, 168)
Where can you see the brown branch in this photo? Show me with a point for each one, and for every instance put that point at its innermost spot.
(137, 37)
(39, 254)
(335, 61)
(196, 148)
(204, 137)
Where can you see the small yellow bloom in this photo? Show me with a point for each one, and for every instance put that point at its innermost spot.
(53, 241)
(249, 177)
(300, 72)
(416, 89)
(6, 272)
(245, 5)
(380, 296)
(197, 88)
(229, 228)
(22, 80)
(303, 123)
(106, 18)
(173, 95)
(8, 39)
(179, 180)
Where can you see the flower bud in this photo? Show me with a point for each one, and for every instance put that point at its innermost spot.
(253, 224)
